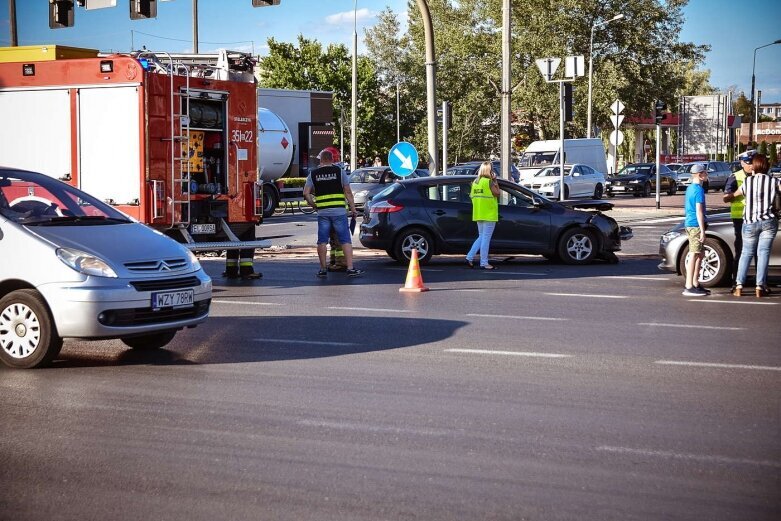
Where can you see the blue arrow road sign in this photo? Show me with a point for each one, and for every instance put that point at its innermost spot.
(403, 158)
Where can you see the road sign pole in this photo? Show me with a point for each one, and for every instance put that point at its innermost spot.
(561, 141)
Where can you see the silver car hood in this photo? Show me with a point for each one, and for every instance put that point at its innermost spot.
(139, 242)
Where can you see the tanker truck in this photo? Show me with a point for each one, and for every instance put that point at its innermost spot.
(293, 126)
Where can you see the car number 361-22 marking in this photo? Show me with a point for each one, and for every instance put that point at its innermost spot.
(241, 136)
(175, 299)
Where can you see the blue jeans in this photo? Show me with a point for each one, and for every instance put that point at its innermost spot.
(757, 240)
(338, 223)
(484, 230)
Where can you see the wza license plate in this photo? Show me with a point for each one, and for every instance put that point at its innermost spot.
(196, 229)
(183, 298)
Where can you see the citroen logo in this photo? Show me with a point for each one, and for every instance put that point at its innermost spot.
(164, 266)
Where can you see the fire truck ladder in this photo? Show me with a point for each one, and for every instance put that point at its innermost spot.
(179, 186)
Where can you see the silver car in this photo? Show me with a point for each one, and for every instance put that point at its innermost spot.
(716, 267)
(74, 267)
(718, 173)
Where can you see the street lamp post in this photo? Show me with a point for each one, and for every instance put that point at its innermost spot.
(590, 60)
(753, 81)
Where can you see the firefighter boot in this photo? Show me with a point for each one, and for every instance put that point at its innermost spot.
(231, 265)
(246, 268)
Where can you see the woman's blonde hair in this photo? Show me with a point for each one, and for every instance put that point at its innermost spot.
(485, 170)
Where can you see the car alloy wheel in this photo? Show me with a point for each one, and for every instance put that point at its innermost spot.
(598, 191)
(414, 238)
(714, 266)
(577, 246)
(27, 335)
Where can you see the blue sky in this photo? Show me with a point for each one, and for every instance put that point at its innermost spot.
(237, 25)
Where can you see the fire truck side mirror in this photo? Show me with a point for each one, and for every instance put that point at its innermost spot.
(141, 9)
(60, 14)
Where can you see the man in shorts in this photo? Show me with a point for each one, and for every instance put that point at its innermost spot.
(694, 205)
(327, 189)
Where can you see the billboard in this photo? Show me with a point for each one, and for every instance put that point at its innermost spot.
(703, 125)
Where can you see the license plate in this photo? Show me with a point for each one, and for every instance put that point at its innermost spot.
(182, 298)
(196, 229)
(618, 188)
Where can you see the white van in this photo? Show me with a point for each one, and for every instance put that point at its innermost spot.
(539, 154)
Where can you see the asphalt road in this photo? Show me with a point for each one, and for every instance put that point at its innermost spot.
(538, 392)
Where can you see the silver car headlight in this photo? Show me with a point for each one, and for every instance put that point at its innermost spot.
(669, 236)
(85, 263)
(194, 260)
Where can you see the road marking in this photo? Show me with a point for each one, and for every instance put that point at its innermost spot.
(378, 310)
(306, 342)
(690, 326)
(687, 456)
(513, 316)
(714, 301)
(632, 277)
(510, 353)
(371, 428)
(248, 302)
(719, 366)
(584, 295)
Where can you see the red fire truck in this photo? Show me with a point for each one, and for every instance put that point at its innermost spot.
(167, 139)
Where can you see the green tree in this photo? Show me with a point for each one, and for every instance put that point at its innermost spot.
(309, 66)
(638, 60)
(743, 107)
(772, 154)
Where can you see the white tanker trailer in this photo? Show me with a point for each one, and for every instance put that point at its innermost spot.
(275, 155)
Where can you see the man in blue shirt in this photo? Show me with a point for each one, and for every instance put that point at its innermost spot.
(694, 205)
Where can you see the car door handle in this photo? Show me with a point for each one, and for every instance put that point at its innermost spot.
(439, 212)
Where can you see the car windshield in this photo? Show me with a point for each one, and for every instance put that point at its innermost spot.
(685, 169)
(462, 170)
(552, 171)
(537, 158)
(36, 199)
(635, 169)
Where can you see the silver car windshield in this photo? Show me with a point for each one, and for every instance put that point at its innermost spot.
(36, 199)
(552, 172)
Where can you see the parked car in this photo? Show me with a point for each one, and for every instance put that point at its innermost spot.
(74, 267)
(734, 166)
(716, 268)
(640, 180)
(718, 173)
(579, 181)
(471, 168)
(367, 181)
(674, 166)
(434, 216)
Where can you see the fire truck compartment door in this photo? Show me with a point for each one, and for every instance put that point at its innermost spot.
(36, 131)
(109, 143)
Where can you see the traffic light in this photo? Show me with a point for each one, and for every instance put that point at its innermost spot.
(264, 3)
(60, 14)
(448, 115)
(659, 109)
(141, 9)
(567, 102)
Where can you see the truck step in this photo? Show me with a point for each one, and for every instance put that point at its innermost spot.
(226, 245)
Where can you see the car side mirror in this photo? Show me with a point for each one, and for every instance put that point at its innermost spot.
(537, 202)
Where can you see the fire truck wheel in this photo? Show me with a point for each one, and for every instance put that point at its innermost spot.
(270, 202)
(150, 341)
(28, 336)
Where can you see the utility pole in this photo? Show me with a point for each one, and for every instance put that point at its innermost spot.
(12, 22)
(431, 87)
(195, 26)
(353, 122)
(506, 91)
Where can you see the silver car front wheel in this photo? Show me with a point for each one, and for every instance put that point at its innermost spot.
(27, 335)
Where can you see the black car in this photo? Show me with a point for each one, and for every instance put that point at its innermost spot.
(640, 180)
(470, 168)
(434, 215)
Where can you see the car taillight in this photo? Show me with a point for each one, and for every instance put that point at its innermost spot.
(385, 207)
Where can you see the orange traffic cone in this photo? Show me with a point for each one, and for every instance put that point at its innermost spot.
(414, 283)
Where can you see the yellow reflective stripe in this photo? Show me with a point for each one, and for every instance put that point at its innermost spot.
(329, 197)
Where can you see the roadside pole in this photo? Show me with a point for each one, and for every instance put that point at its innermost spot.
(561, 140)
(431, 86)
(658, 166)
(444, 137)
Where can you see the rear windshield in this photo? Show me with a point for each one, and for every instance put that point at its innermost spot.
(636, 169)
(387, 192)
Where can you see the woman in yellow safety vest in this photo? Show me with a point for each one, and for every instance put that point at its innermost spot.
(485, 212)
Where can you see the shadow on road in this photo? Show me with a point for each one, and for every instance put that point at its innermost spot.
(231, 340)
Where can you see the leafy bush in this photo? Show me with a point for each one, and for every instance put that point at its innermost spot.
(294, 182)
